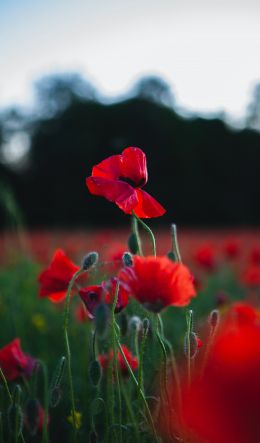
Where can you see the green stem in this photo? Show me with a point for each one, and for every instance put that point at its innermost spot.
(165, 363)
(130, 410)
(175, 244)
(66, 337)
(149, 415)
(45, 437)
(189, 330)
(141, 357)
(148, 230)
(116, 362)
(136, 232)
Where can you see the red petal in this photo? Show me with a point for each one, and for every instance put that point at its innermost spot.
(119, 192)
(109, 168)
(57, 297)
(133, 166)
(147, 206)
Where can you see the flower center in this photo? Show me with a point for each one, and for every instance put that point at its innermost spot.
(132, 183)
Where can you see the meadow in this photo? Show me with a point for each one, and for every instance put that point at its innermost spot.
(129, 335)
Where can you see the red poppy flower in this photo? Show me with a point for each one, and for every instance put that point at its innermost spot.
(34, 415)
(93, 295)
(231, 248)
(221, 405)
(55, 279)
(119, 179)
(205, 256)
(106, 359)
(157, 282)
(255, 255)
(14, 363)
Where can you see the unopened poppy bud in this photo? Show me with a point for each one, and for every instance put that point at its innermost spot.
(127, 259)
(101, 318)
(58, 373)
(89, 260)
(135, 323)
(95, 372)
(123, 323)
(146, 325)
(93, 437)
(17, 394)
(189, 320)
(172, 256)
(32, 415)
(214, 318)
(193, 345)
(133, 243)
(15, 419)
(55, 396)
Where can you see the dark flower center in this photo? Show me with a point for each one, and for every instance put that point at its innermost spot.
(132, 183)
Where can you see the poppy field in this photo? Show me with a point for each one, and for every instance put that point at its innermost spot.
(130, 335)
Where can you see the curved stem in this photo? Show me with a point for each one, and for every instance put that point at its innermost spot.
(149, 415)
(67, 345)
(175, 244)
(150, 232)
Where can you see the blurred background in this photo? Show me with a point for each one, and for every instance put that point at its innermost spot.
(82, 80)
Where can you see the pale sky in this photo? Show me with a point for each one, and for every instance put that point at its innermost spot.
(208, 51)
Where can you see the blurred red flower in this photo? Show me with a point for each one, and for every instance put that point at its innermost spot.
(255, 255)
(55, 279)
(106, 359)
(205, 257)
(93, 295)
(251, 276)
(231, 248)
(222, 403)
(14, 363)
(81, 314)
(157, 282)
(119, 179)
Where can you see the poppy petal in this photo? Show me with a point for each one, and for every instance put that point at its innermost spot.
(109, 168)
(147, 206)
(123, 194)
(133, 166)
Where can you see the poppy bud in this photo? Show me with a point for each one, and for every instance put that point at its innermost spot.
(89, 260)
(95, 372)
(93, 437)
(193, 344)
(133, 243)
(135, 323)
(214, 319)
(32, 415)
(127, 259)
(123, 323)
(15, 419)
(55, 396)
(172, 256)
(101, 317)
(146, 325)
(58, 374)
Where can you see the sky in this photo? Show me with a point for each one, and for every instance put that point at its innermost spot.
(208, 51)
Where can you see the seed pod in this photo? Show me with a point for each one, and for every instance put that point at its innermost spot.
(127, 259)
(95, 372)
(133, 243)
(101, 318)
(89, 260)
(32, 415)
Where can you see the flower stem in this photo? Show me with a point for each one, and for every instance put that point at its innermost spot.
(149, 415)
(67, 345)
(150, 232)
(189, 330)
(175, 244)
(114, 325)
(136, 233)
(45, 437)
